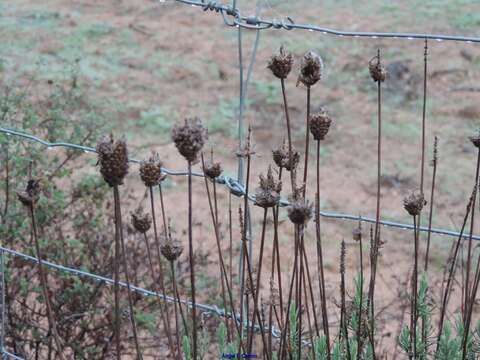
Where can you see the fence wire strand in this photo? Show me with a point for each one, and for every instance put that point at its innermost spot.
(238, 189)
(233, 17)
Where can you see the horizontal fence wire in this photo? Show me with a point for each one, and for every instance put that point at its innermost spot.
(211, 309)
(233, 17)
(8, 355)
(238, 189)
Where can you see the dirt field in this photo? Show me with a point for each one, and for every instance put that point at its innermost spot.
(155, 63)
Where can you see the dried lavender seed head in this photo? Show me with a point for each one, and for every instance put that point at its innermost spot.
(189, 138)
(475, 140)
(311, 69)
(300, 211)
(281, 64)
(213, 170)
(414, 203)
(151, 171)
(113, 160)
(320, 124)
(377, 70)
(343, 252)
(170, 248)
(282, 159)
(31, 194)
(357, 233)
(268, 194)
(141, 221)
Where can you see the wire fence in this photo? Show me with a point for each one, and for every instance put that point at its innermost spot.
(232, 17)
(237, 189)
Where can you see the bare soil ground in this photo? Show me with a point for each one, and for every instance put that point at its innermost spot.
(156, 63)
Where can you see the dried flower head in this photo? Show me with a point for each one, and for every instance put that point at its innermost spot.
(113, 159)
(311, 69)
(414, 203)
(357, 233)
(320, 124)
(268, 194)
(151, 171)
(189, 138)
(281, 64)
(170, 247)
(300, 211)
(31, 194)
(475, 140)
(212, 170)
(141, 221)
(282, 159)
(377, 70)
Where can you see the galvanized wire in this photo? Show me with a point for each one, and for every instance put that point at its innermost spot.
(233, 17)
(8, 355)
(238, 189)
(212, 309)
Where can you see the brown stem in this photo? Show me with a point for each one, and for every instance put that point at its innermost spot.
(163, 311)
(118, 221)
(177, 330)
(432, 195)
(43, 280)
(116, 286)
(307, 143)
(283, 341)
(289, 135)
(414, 289)
(472, 226)
(321, 277)
(310, 331)
(257, 286)
(360, 307)
(154, 283)
(376, 243)
(244, 240)
(469, 310)
(7, 185)
(223, 271)
(191, 256)
(343, 321)
(451, 272)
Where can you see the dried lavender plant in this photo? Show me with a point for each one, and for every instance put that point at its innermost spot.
(319, 125)
(414, 204)
(476, 142)
(189, 140)
(266, 196)
(311, 71)
(281, 65)
(378, 74)
(434, 164)
(151, 176)
(451, 272)
(29, 198)
(172, 249)
(113, 162)
(343, 308)
(357, 236)
(248, 152)
(223, 271)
